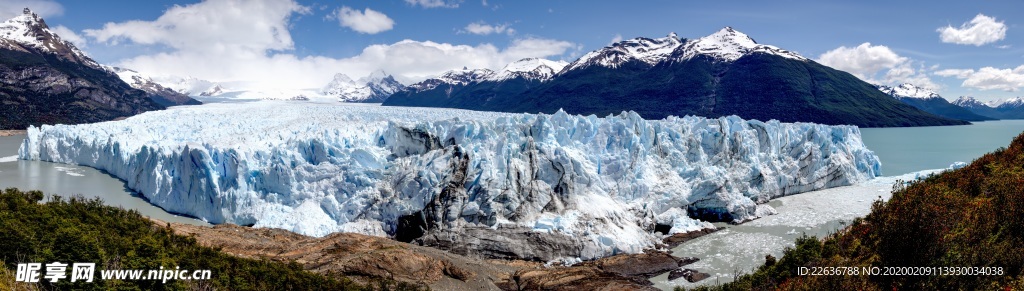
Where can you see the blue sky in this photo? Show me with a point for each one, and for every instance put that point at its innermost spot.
(304, 43)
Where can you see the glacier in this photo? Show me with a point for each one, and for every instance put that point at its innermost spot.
(593, 186)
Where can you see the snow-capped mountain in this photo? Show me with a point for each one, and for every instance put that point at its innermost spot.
(372, 89)
(646, 50)
(726, 45)
(46, 79)
(929, 101)
(1012, 108)
(454, 77)
(190, 86)
(908, 90)
(163, 95)
(29, 31)
(970, 102)
(1012, 103)
(725, 73)
(530, 69)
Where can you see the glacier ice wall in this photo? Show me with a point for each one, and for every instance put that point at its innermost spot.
(322, 168)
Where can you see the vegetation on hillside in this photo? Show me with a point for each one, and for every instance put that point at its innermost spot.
(970, 217)
(78, 230)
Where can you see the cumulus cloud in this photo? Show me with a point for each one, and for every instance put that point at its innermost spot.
(45, 8)
(876, 64)
(368, 21)
(70, 35)
(863, 61)
(482, 28)
(435, 3)
(980, 30)
(616, 38)
(988, 78)
(250, 44)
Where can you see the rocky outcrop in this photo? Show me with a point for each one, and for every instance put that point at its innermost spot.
(504, 242)
(366, 258)
(691, 275)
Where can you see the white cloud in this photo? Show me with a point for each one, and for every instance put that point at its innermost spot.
(863, 61)
(211, 27)
(980, 30)
(435, 3)
(251, 44)
(876, 64)
(70, 35)
(959, 73)
(45, 8)
(369, 21)
(905, 73)
(482, 28)
(616, 38)
(988, 78)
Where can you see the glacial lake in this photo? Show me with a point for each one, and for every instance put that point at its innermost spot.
(737, 248)
(905, 153)
(70, 180)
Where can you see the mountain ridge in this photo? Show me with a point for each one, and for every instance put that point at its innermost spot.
(1012, 108)
(725, 73)
(931, 102)
(47, 80)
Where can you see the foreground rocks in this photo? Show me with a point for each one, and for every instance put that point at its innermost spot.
(679, 238)
(365, 258)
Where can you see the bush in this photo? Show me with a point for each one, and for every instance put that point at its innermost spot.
(78, 230)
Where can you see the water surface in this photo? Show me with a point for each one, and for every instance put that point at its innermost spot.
(910, 149)
(69, 180)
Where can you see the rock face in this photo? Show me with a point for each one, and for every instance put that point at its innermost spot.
(47, 80)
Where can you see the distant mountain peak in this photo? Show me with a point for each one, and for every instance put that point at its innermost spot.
(29, 33)
(907, 90)
(159, 93)
(726, 44)
(1015, 102)
(729, 44)
(647, 50)
(530, 68)
(374, 87)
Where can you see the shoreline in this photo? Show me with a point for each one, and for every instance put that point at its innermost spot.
(12, 132)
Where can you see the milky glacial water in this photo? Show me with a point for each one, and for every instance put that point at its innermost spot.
(70, 180)
(904, 152)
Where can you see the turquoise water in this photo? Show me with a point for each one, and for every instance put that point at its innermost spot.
(911, 149)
